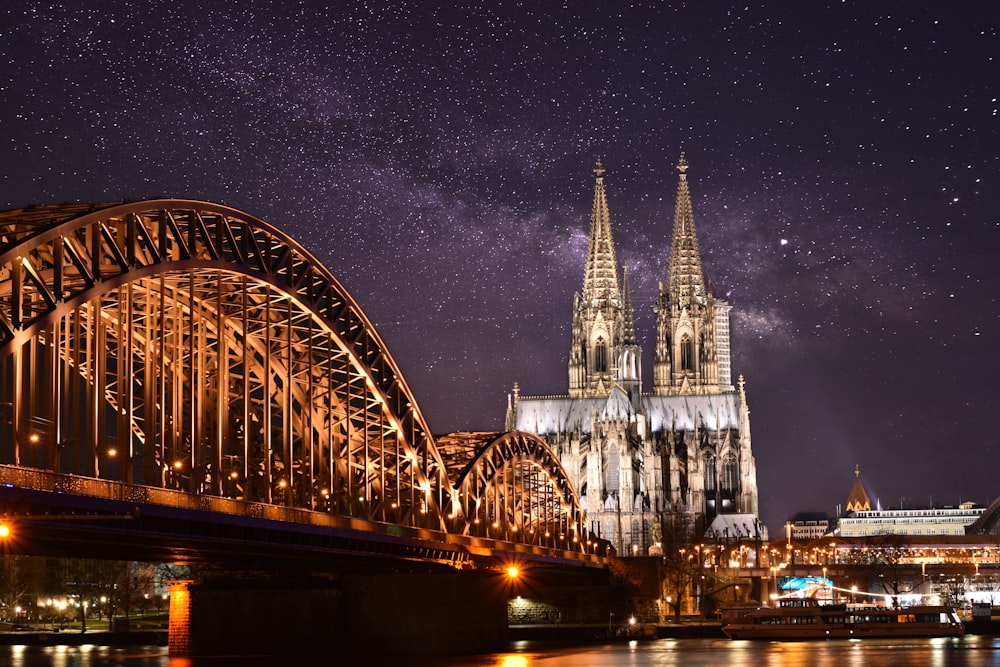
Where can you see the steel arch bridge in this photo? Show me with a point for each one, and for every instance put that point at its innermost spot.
(189, 346)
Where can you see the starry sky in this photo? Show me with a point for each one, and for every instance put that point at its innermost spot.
(844, 170)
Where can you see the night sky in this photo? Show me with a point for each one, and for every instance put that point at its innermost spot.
(844, 169)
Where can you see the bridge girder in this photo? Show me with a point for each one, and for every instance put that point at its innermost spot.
(167, 322)
(190, 346)
(515, 488)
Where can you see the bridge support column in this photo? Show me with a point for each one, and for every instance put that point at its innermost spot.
(401, 613)
(426, 614)
(179, 629)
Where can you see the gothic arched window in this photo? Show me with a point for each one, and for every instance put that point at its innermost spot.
(687, 354)
(709, 462)
(730, 473)
(612, 471)
(600, 356)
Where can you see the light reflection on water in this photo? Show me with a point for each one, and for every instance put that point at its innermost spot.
(970, 651)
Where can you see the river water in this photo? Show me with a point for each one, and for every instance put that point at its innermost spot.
(970, 651)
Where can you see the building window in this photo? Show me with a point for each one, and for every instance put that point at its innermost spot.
(730, 473)
(709, 462)
(611, 483)
(687, 354)
(600, 357)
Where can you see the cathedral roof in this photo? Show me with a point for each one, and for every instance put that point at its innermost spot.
(558, 414)
(857, 499)
(684, 413)
(736, 526)
(618, 406)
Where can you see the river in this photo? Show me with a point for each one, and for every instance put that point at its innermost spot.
(969, 651)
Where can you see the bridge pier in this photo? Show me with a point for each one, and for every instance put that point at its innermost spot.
(400, 613)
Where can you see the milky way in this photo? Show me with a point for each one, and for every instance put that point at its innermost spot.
(844, 175)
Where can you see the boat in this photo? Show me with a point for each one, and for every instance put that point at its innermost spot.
(809, 618)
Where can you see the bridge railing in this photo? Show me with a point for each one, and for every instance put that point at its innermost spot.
(43, 480)
(129, 496)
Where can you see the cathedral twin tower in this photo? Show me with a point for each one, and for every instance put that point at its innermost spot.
(651, 468)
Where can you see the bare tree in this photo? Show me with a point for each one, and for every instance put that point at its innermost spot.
(15, 586)
(680, 562)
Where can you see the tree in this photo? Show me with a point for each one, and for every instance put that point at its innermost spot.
(681, 563)
(886, 556)
(14, 585)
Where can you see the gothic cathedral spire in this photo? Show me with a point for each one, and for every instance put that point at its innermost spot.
(686, 281)
(600, 281)
(692, 325)
(602, 329)
(644, 464)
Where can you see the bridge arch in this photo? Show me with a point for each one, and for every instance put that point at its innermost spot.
(188, 345)
(988, 522)
(516, 489)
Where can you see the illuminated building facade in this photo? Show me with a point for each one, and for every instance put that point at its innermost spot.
(926, 521)
(667, 462)
(863, 521)
(809, 526)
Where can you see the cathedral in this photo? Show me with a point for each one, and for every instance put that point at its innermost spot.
(651, 466)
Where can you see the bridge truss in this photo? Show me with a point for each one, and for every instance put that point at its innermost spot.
(188, 346)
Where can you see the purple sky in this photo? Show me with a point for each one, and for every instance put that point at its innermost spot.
(845, 171)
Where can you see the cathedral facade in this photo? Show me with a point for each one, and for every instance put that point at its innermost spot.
(648, 465)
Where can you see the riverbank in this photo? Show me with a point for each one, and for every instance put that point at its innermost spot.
(71, 638)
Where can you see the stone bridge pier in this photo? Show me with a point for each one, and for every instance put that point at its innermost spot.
(400, 613)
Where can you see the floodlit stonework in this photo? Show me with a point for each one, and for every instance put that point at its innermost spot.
(669, 462)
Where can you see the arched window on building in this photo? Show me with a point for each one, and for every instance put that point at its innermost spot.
(629, 369)
(687, 354)
(601, 356)
(611, 470)
(730, 473)
(709, 462)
